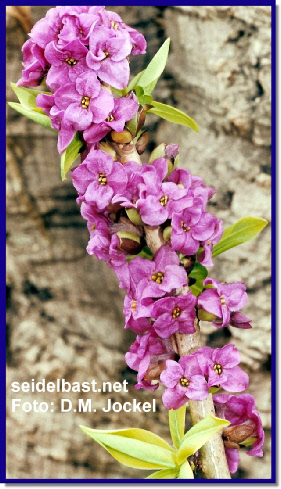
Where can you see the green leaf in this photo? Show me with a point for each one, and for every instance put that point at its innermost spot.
(134, 82)
(143, 98)
(185, 471)
(173, 115)
(164, 474)
(135, 447)
(27, 96)
(199, 273)
(70, 155)
(243, 230)
(34, 115)
(198, 435)
(155, 68)
(177, 424)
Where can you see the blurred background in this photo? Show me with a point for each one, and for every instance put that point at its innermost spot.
(64, 308)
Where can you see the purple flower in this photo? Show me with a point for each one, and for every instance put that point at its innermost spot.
(191, 227)
(67, 63)
(205, 258)
(148, 351)
(83, 102)
(159, 276)
(108, 51)
(174, 314)
(130, 195)
(34, 63)
(241, 411)
(222, 300)
(113, 21)
(98, 178)
(239, 320)
(136, 310)
(184, 381)
(180, 177)
(219, 366)
(121, 111)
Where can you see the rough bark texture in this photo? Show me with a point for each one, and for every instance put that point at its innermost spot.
(65, 308)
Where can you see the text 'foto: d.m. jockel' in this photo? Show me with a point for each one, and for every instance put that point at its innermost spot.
(148, 221)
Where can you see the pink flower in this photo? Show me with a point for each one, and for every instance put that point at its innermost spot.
(241, 411)
(148, 351)
(222, 300)
(220, 368)
(184, 380)
(98, 178)
(159, 276)
(174, 314)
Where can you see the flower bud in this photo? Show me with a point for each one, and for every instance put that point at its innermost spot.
(129, 243)
(238, 433)
(206, 316)
(134, 216)
(142, 142)
(167, 233)
(158, 152)
(153, 373)
(141, 119)
(123, 137)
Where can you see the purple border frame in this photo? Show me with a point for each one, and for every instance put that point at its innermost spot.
(273, 480)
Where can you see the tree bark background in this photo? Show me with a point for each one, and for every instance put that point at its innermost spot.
(64, 308)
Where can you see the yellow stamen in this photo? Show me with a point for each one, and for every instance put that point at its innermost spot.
(102, 179)
(71, 61)
(217, 368)
(184, 382)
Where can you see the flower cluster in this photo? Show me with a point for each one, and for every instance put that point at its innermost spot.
(195, 374)
(78, 52)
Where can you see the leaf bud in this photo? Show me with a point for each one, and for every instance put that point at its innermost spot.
(167, 233)
(158, 152)
(129, 243)
(142, 142)
(134, 216)
(205, 315)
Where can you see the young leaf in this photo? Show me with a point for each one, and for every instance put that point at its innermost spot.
(243, 230)
(199, 273)
(185, 471)
(173, 115)
(135, 447)
(177, 424)
(164, 474)
(70, 155)
(198, 435)
(34, 115)
(134, 82)
(27, 96)
(155, 67)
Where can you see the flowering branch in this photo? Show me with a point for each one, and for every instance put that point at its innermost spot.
(149, 222)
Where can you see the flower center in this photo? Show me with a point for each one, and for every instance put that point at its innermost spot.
(71, 61)
(134, 305)
(163, 201)
(110, 118)
(184, 227)
(222, 300)
(93, 227)
(176, 312)
(114, 25)
(184, 382)
(102, 179)
(85, 102)
(217, 368)
(158, 277)
(106, 53)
